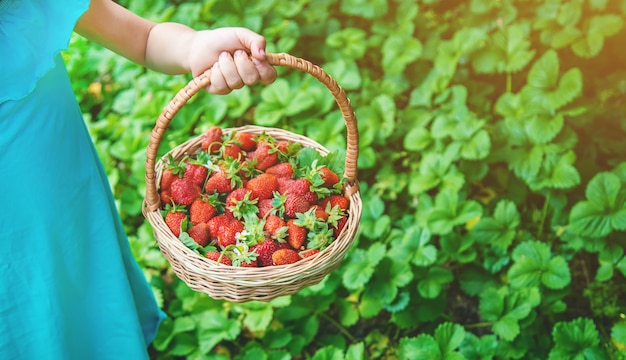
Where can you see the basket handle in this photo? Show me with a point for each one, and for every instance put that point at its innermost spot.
(152, 201)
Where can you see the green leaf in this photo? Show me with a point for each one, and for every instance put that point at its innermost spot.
(351, 42)
(449, 336)
(365, 8)
(557, 275)
(417, 139)
(257, 320)
(526, 163)
(431, 285)
(214, 327)
(534, 265)
(398, 51)
(603, 211)
(605, 25)
(477, 147)
(328, 353)
(507, 328)
(565, 37)
(499, 230)
(448, 213)
(426, 253)
(422, 347)
(542, 129)
(361, 266)
(491, 304)
(603, 189)
(509, 52)
(474, 348)
(355, 352)
(348, 313)
(544, 89)
(618, 335)
(576, 339)
(345, 72)
(586, 219)
(588, 46)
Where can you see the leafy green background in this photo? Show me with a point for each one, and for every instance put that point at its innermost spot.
(492, 165)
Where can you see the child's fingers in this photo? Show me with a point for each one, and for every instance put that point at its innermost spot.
(246, 69)
(218, 84)
(267, 73)
(230, 72)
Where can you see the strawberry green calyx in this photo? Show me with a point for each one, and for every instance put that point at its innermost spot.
(241, 254)
(278, 203)
(253, 232)
(335, 213)
(321, 238)
(244, 207)
(308, 220)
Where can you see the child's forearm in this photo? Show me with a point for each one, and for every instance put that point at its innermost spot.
(167, 48)
(116, 28)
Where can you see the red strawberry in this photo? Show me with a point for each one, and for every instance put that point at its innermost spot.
(281, 170)
(184, 191)
(166, 197)
(309, 252)
(246, 141)
(285, 256)
(282, 145)
(310, 196)
(218, 183)
(200, 234)
(336, 200)
(217, 223)
(263, 186)
(264, 206)
(296, 235)
(294, 186)
(340, 225)
(173, 220)
(253, 263)
(265, 156)
(213, 139)
(232, 150)
(167, 178)
(265, 251)
(201, 210)
(228, 234)
(295, 204)
(284, 245)
(196, 173)
(215, 255)
(330, 178)
(320, 213)
(272, 224)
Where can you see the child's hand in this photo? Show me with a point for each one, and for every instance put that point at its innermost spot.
(235, 55)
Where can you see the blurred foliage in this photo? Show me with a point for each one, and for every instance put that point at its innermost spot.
(492, 167)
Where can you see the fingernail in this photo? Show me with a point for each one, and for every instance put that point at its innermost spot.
(262, 52)
(255, 61)
(239, 52)
(224, 54)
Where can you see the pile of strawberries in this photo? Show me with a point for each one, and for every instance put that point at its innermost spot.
(253, 200)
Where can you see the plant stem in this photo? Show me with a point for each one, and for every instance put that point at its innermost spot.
(477, 325)
(544, 214)
(339, 327)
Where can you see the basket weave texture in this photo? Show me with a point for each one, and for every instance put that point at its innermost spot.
(241, 284)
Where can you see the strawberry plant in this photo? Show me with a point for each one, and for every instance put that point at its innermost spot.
(492, 170)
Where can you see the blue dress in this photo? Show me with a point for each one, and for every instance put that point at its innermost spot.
(69, 285)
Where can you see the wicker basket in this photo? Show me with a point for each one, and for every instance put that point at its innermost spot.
(241, 284)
